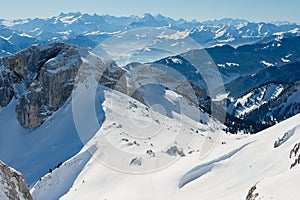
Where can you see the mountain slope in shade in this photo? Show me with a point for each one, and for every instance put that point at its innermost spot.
(287, 104)
(41, 149)
(249, 65)
(268, 97)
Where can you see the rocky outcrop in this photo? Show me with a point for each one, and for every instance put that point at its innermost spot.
(6, 90)
(43, 77)
(252, 194)
(12, 184)
(50, 87)
(27, 63)
(114, 77)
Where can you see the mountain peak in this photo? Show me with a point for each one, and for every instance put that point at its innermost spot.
(148, 17)
(75, 14)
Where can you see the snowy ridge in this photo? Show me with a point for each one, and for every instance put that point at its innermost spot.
(142, 143)
(212, 177)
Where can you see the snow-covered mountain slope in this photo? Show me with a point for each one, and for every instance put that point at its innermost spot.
(133, 139)
(236, 168)
(287, 104)
(44, 82)
(268, 97)
(256, 98)
(287, 73)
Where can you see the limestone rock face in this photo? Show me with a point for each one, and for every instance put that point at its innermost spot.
(12, 184)
(42, 78)
(6, 90)
(27, 63)
(50, 89)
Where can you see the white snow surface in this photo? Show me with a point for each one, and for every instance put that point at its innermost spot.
(133, 129)
(285, 60)
(268, 64)
(235, 164)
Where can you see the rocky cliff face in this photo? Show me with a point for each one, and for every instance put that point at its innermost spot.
(48, 84)
(6, 89)
(12, 184)
(42, 78)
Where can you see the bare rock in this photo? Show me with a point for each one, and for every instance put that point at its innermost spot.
(42, 78)
(12, 184)
(174, 151)
(50, 86)
(6, 89)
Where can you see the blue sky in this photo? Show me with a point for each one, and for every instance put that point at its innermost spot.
(253, 10)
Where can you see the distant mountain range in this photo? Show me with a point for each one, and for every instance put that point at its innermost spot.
(89, 30)
(262, 58)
